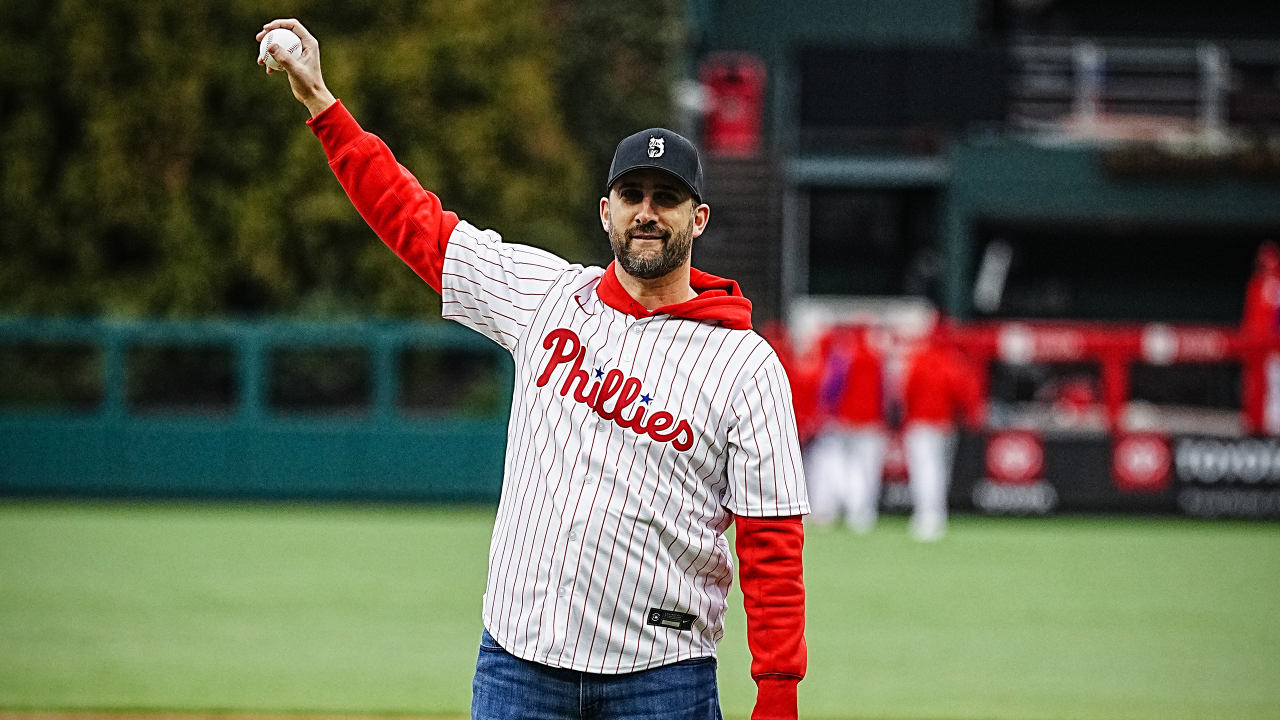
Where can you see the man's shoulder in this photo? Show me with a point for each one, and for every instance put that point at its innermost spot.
(468, 243)
(752, 355)
(757, 344)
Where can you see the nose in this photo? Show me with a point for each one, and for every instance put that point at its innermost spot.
(647, 211)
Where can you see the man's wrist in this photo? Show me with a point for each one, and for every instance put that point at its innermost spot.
(320, 101)
(775, 698)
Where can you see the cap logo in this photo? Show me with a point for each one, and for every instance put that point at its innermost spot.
(657, 146)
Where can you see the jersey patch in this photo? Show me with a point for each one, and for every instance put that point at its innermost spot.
(673, 619)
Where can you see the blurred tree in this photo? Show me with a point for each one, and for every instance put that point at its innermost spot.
(149, 167)
(617, 64)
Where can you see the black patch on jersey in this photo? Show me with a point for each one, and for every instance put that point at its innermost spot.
(673, 619)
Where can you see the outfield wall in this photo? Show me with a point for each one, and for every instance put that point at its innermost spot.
(418, 412)
(1199, 476)
(278, 410)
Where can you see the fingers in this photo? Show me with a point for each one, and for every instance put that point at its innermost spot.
(289, 63)
(289, 24)
(283, 57)
(308, 40)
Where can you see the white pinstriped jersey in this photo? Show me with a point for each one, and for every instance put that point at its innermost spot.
(632, 442)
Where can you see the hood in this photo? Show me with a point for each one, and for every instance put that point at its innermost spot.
(719, 300)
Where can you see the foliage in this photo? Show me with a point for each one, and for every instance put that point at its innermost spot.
(618, 63)
(149, 167)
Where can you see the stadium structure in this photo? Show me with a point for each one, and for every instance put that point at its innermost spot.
(1080, 188)
(1082, 193)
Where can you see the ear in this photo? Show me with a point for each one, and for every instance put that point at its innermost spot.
(604, 213)
(701, 216)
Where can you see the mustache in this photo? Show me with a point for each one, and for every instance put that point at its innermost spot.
(648, 228)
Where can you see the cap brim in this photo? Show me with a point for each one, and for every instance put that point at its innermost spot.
(609, 186)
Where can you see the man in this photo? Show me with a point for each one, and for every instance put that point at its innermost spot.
(646, 418)
(940, 386)
(1259, 328)
(847, 459)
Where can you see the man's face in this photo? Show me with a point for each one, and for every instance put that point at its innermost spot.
(651, 221)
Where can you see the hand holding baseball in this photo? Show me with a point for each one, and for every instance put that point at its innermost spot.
(303, 68)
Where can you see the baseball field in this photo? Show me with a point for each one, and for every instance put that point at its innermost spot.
(374, 611)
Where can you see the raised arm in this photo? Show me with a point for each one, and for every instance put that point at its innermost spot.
(305, 78)
(406, 217)
(489, 285)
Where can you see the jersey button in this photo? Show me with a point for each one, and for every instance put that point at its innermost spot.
(573, 535)
(561, 592)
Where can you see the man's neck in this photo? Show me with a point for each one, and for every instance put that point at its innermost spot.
(669, 289)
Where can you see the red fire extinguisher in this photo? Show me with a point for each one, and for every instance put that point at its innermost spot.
(735, 83)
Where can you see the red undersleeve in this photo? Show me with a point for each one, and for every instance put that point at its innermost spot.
(772, 578)
(406, 217)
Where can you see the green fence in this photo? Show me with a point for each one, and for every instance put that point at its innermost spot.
(387, 411)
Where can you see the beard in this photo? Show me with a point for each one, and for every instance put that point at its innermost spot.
(651, 264)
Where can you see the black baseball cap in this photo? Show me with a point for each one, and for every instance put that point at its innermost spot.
(660, 149)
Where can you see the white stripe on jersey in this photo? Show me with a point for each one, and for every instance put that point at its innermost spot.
(631, 444)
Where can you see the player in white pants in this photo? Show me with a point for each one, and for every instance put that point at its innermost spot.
(847, 459)
(823, 464)
(928, 449)
(939, 387)
(865, 448)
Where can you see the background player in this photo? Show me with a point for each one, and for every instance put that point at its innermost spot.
(847, 457)
(646, 417)
(940, 386)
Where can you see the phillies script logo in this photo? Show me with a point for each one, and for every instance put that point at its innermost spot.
(612, 386)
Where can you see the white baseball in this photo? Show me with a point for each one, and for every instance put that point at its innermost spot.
(286, 39)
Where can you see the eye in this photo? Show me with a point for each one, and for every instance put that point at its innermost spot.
(631, 195)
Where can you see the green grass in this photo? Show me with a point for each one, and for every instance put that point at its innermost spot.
(366, 610)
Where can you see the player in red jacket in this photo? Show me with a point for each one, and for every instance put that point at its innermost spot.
(940, 388)
(1260, 327)
(847, 457)
(1262, 297)
(803, 372)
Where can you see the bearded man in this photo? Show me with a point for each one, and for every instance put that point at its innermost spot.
(647, 417)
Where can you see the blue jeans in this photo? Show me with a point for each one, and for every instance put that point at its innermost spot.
(508, 688)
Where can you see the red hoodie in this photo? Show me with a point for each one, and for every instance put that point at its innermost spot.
(941, 385)
(1262, 296)
(857, 400)
(412, 222)
(803, 374)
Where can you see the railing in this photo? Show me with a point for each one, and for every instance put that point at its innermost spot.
(271, 420)
(1091, 87)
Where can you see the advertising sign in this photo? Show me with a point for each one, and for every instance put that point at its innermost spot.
(1228, 477)
(1141, 463)
(1014, 482)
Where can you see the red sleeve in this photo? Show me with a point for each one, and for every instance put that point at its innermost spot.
(409, 219)
(772, 575)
